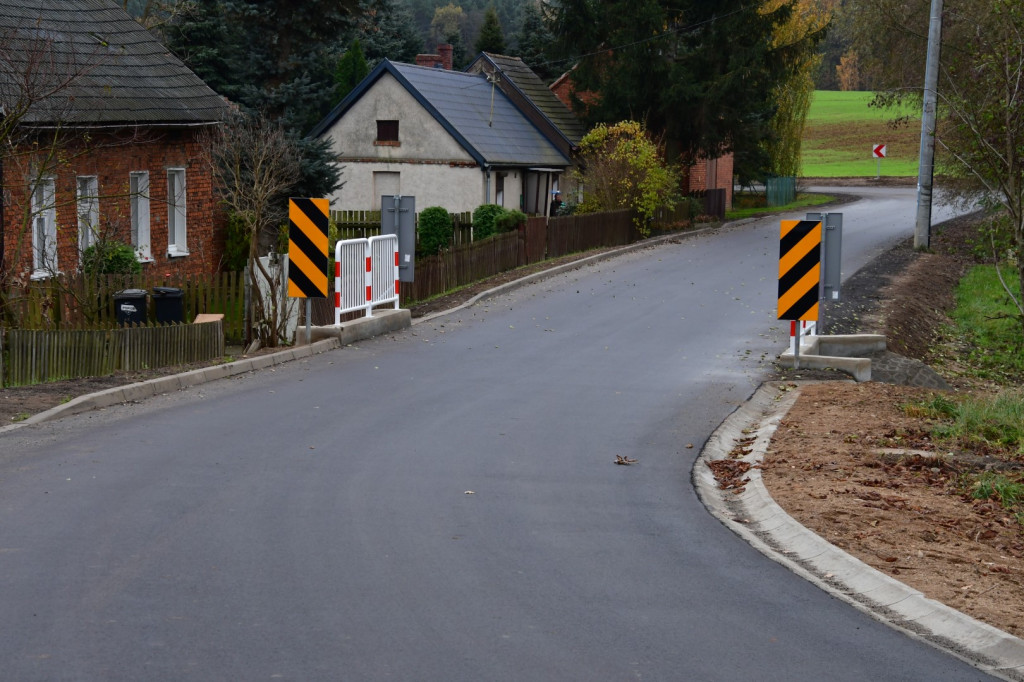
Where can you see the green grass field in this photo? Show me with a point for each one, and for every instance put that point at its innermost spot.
(842, 130)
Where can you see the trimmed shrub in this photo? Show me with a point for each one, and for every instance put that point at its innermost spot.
(110, 258)
(435, 230)
(509, 220)
(483, 220)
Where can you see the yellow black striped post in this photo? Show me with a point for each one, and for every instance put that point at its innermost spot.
(799, 270)
(307, 248)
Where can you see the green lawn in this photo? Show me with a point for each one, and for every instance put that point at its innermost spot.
(842, 130)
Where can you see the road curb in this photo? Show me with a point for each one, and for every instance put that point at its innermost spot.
(567, 267)
(175, 382)
(755, 517)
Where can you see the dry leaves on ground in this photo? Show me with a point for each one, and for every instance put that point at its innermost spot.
(848, 463)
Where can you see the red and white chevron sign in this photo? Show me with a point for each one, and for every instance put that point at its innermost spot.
(878, 151)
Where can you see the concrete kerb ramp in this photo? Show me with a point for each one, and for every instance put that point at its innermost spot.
(383, 321)
(846, 352)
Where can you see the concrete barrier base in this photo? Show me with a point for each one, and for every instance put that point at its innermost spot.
(843, 352)
(382, 322)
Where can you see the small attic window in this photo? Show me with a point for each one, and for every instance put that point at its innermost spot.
(387, 133)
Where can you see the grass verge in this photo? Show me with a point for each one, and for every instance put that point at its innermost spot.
(753, 204)
(990, 424)
(988, 322)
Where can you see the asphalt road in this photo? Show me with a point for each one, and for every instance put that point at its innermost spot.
(442, 504)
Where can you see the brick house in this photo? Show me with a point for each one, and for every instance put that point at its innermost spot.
(106, 143)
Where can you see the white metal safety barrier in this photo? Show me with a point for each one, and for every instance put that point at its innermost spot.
(799, 329)
(365, 274)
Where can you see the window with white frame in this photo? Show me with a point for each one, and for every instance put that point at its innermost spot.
(44, 228)
(88, 211)
(139, 202)
(177, 236)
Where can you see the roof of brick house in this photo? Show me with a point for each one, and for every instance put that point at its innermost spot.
(90, 63)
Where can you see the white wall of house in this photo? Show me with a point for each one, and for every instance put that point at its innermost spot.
(456, 189)
(420, 136)
(427, 162)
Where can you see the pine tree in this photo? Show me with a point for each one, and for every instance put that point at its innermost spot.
(534, 38)
(491, 38)
(288, 79)
(703, 75)
(386, 30)
(351, 69)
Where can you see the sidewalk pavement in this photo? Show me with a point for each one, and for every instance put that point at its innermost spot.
(755, 517)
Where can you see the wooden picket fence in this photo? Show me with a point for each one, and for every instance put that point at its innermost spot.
(538, 239)
(574, 233)
(35, 356)
(76, 302)
(462, 265)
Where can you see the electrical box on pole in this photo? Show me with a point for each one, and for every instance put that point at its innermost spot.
(398, 216)
(831, 253)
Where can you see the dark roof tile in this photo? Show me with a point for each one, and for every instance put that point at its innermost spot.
(102, 67)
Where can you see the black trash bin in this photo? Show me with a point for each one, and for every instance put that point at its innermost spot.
(168, 305)
(130, 306)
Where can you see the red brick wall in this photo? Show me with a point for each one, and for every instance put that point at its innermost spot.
(725, 177)
(441, 59)
(563, 90)
(698, 176)
(111, 157)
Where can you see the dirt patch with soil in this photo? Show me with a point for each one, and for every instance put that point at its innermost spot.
(855, 462)
(849, 463)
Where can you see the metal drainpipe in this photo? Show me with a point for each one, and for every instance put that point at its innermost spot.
(487, 184)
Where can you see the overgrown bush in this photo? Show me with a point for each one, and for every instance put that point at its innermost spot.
(625, 168)
(483, 220)
(108, 257)
(509, 220)
(435, 230)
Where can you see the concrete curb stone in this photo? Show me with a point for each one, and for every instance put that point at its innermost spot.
(568, 267)
(147, 389)
(754, 516)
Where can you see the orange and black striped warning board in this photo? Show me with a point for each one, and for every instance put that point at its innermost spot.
(307, 248)
(799, 269)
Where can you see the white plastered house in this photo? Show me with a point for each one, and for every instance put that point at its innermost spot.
(448, 138)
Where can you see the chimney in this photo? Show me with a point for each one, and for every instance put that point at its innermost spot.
(434, 61)
(446, 55)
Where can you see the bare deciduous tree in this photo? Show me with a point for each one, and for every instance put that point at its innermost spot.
(980, 134)
(254, 164)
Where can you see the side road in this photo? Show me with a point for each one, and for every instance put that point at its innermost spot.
(753, 515)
